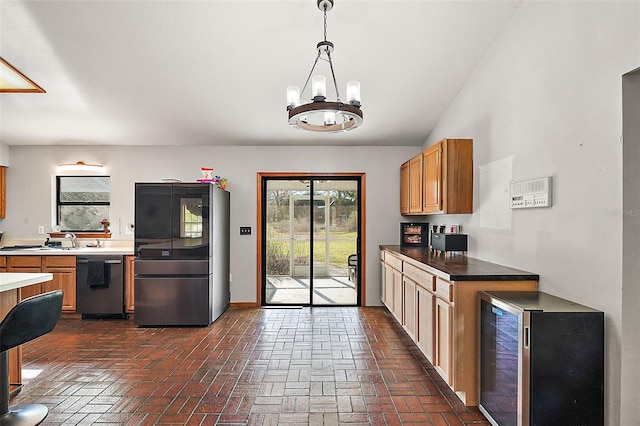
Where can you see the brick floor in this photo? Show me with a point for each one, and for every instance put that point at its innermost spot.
(310, 366)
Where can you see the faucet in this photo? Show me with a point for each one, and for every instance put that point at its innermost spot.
(72, 237)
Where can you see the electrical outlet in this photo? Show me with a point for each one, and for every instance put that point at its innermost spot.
(40, 230)
(245, 230)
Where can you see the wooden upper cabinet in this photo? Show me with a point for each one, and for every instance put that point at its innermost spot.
(415, 184)
(444, 181)
(3, 191)
(457, 176)
(404, 188)
(432, 184)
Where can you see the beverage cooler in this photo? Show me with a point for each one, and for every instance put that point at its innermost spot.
(541, 360)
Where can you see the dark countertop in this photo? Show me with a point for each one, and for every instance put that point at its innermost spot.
(460, 267)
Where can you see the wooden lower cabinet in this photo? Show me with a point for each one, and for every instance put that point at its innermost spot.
(28, 264)
(425, 299)
(409, 307)
(443, 339)
(397, 295)
(128, 284)
(442, 318)
(63, 269)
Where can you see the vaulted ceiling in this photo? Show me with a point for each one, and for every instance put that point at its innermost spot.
(215, 72)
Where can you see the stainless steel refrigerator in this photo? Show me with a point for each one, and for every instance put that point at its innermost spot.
(182, 254)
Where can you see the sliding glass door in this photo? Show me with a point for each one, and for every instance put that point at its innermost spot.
(310, 241)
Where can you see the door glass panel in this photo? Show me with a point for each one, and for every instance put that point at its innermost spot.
(335, 231)
(287, 242)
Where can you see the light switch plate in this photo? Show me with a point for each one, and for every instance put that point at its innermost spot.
(245, 230)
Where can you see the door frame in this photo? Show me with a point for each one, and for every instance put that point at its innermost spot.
(261, 176)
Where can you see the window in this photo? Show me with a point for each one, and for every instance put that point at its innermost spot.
(82, 202)
(191, 217)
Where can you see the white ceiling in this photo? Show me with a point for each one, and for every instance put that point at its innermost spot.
(145, 72)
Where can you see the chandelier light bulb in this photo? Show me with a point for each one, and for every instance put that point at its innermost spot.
(353, 92)
(319, 86)
(329, 118)
(293, 96)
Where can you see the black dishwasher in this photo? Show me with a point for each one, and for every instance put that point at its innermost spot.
(100, 286)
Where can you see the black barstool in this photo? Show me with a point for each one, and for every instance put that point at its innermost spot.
(29, 319)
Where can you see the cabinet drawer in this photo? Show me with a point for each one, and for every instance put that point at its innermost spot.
(394, 262)
(59, 261)
(444, 290)
(24, 262)
(422, 277)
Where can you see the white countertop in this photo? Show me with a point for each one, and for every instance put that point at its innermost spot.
(14, 280)
(77, 251)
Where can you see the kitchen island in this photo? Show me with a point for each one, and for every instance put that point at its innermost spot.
(435, 299)
(10, 285)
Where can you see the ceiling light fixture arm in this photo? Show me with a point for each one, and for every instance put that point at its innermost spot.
(306, 83)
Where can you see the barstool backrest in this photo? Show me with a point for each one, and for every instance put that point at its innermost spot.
(29, 319)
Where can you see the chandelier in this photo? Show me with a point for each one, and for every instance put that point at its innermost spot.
(321, 115)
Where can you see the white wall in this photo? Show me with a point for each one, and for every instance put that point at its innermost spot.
(29, 195)
(548, 94)
(4, 154)
(630, 248)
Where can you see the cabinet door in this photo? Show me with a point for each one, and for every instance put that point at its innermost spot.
(443, 340)
(409, 303)
(432, 179)
(30, 290)
(425, 331)
(388, 287)
(19, 264)
(128, 284)
(383, 277)
(415, 185)
(63, 279)
(397, 294)
(404, 188)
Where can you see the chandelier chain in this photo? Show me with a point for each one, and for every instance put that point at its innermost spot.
(328, 52)
(325, 23)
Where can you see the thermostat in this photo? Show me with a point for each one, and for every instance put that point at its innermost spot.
(530, 193)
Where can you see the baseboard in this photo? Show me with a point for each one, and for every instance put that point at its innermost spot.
(243, 305)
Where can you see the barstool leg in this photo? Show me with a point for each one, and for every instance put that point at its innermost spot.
(20, 415)
(4, 383)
